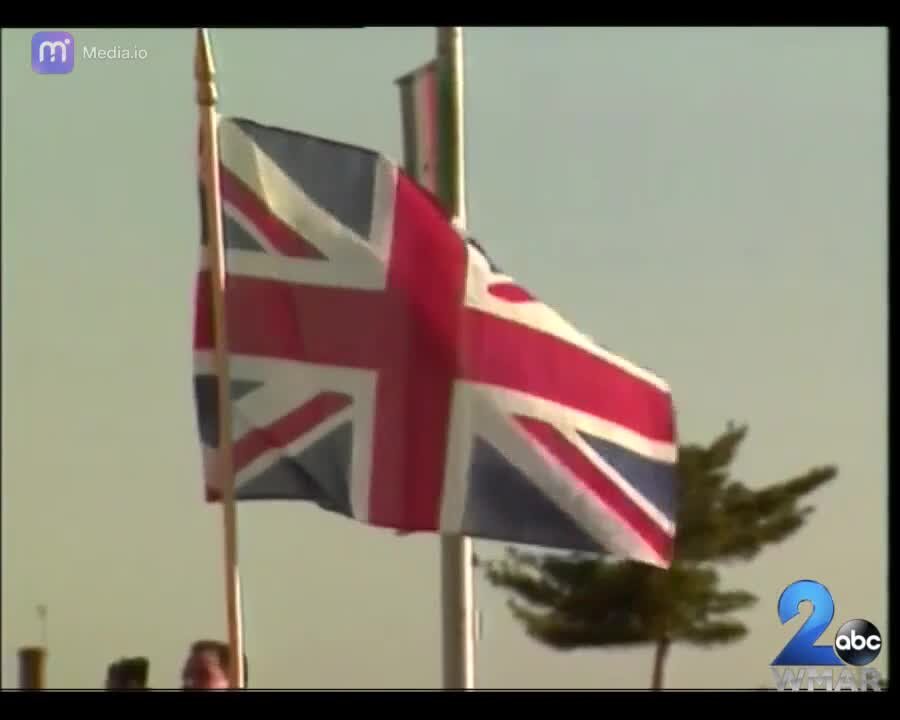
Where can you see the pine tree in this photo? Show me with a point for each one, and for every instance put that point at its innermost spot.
(576, 601)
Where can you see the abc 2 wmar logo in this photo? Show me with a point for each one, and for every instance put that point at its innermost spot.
(836, 667)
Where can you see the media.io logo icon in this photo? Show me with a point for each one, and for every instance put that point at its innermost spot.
(52, 53)
(857, 644)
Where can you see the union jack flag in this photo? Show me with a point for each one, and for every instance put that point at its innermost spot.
(384, 369)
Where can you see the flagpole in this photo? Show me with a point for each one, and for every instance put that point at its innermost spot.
(456, 551)
(207, 96)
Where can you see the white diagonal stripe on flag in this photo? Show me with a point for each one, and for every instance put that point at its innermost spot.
(288, 202)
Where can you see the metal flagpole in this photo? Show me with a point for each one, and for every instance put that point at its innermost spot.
(42, 617)
(456, 551)
(204, 73)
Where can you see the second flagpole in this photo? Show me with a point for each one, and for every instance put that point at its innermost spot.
(457, 601)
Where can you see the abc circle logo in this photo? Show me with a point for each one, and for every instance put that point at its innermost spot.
(858, 642)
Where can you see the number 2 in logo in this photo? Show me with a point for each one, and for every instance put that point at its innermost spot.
(801, 649)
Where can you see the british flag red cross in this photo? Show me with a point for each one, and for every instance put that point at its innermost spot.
(382, 367)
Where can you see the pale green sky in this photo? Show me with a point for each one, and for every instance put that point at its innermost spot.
(709, 203)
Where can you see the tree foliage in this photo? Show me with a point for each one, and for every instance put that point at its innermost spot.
(576, 601)
(720, 519)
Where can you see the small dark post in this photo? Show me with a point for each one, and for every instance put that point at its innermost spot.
(32, 668)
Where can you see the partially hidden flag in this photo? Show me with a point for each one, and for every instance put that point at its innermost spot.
(428, 127)
(385, 370)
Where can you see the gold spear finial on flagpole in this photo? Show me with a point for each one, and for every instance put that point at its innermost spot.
(207, 96)
(205, 70)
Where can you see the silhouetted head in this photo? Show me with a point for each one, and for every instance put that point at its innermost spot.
(208, 666)
(128, 674)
